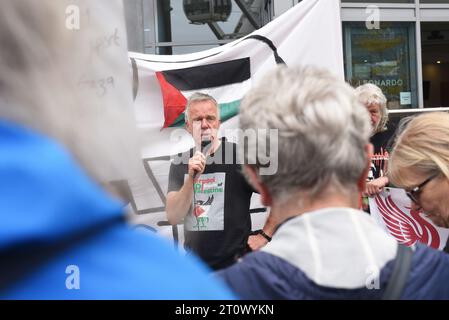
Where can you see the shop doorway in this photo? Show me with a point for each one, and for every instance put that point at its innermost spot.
(435, 63)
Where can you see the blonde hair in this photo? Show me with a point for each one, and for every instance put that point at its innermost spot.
(423, 146)
(46, 77)
(369, 94)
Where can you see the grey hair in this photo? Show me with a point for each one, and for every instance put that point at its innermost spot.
(42, 64)
(197, 97)
(323, 130)
(368, 94)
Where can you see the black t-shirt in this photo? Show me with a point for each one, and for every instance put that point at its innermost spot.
(381, 142)
(217, 229)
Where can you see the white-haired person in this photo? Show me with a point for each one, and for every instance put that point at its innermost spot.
(420, 164)
(62, 233)
(324, 247)
(372, 97)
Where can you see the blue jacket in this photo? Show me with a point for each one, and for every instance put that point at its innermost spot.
(334, 253)
(60, 231)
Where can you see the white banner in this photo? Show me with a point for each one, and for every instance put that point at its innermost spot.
(308, 34)
(391, 209)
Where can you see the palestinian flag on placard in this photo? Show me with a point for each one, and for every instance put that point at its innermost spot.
(226, 81)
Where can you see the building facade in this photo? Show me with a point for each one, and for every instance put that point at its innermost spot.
(400, 45)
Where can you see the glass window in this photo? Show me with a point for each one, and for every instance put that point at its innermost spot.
(385, 57)
(184, 49)
(435, 63)
(149, 50)
(205, 20)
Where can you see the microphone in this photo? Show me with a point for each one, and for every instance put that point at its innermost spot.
(205, 147)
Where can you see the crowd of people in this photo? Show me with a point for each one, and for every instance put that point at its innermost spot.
(60, 216)
(324, 246)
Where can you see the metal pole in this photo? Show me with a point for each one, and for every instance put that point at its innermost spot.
(248, 14)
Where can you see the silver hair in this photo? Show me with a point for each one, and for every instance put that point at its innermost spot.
(368, 94)
(196, 97)
(40, 64)
(323, 130)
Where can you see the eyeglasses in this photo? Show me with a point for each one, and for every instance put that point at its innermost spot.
(413, 194)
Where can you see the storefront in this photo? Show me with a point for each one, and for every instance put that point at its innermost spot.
(407, 55)
(400, 45)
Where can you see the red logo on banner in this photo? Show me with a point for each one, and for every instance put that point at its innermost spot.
(407, 229)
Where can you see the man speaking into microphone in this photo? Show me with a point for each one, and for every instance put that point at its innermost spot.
(209, 192)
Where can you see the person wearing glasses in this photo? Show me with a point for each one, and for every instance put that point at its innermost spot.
(324, 247)
(419, 164)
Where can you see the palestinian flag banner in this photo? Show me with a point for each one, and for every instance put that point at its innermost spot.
(308, 34)
(226, 82)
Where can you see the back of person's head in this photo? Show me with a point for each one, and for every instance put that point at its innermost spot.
(370, 94)
(423, 146)
(322, 130)
(46, 83)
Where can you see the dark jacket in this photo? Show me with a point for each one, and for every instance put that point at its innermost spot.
(334, 253)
